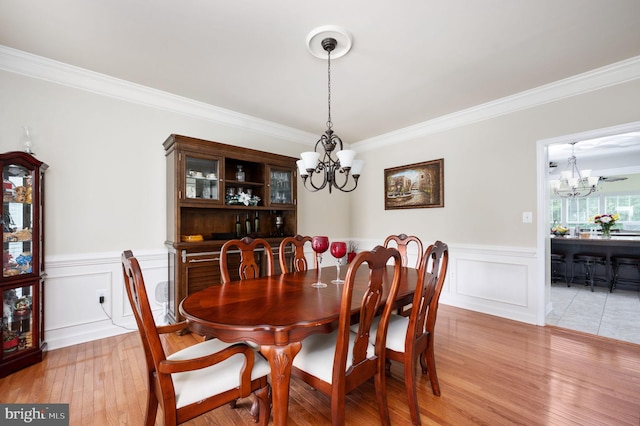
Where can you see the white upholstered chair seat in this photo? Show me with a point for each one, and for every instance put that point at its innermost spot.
(396, 333)
(193, 386)
(317, 353)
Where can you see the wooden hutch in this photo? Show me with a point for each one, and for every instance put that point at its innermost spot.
(217, 192)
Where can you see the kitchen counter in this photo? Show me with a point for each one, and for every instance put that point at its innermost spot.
(614, 240)
(607, 247)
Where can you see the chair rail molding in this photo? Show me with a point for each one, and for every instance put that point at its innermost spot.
(495, 280)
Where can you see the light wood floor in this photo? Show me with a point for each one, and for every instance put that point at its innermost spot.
(492, 372)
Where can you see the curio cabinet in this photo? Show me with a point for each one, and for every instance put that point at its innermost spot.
(22, 281)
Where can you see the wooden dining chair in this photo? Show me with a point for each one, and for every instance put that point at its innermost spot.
(338, 362)
(248, 267)
(402, 242)
(298, 262)
(411, 338)
(196, 379)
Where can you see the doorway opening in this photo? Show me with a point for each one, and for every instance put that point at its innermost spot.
(610, 152)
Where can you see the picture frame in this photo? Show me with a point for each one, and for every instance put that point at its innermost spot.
(418, 185)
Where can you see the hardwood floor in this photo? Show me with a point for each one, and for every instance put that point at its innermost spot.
(492, 371)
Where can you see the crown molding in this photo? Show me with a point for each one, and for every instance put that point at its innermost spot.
(610, 75)
(19, 62)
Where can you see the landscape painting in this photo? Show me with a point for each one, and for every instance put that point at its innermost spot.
(413, 186)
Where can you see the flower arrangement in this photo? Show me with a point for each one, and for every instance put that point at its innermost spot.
(606, 221)
(243, 198)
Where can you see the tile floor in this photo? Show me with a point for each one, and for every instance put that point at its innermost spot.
(615, 315)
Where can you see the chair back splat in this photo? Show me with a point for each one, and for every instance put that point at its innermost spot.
(355, 359)
(249, 267)
(196, 379)
(401, 242)
(297, 261)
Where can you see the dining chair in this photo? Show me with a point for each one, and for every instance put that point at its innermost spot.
(338, 362)
(199, 378)
(248, 267)
(401, 242)
(412, 338)
(298, 262)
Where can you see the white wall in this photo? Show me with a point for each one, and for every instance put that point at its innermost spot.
(490, 174)
(105, 184)
(105, 192)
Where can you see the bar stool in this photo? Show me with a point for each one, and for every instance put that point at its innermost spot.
(589, 264)
(618, 262)
(559, 260)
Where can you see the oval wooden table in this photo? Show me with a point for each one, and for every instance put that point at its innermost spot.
(276, 313)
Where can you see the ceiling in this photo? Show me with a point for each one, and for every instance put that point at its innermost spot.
(411, 61)
(609, 146)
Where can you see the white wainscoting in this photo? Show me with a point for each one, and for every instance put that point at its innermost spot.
(72, 312)
(499, 281)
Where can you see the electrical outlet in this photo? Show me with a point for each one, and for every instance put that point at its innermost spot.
(100, 296)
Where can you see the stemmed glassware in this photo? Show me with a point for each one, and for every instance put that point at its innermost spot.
(319, 244)
(338, 250)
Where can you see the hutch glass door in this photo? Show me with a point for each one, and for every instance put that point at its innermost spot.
(202, 178)
(280, 186)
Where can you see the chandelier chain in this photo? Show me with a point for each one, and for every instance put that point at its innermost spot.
(329, 122)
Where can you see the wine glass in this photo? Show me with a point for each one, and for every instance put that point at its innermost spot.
(338, 250)
(319, 245)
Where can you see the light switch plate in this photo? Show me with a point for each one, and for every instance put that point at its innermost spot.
(527, 217)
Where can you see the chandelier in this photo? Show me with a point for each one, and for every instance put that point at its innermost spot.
(574, 183)
(338, 167)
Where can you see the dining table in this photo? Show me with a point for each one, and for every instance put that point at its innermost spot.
(277, 312)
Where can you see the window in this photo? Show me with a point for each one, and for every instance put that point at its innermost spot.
(556, 211)
(577, 211)
(627, 206)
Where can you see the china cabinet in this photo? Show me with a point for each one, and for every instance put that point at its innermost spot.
(22, 281)
(217, 192)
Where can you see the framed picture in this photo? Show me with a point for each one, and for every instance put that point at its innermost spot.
(414, 186)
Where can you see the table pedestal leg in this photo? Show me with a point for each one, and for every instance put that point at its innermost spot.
(280, 359)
